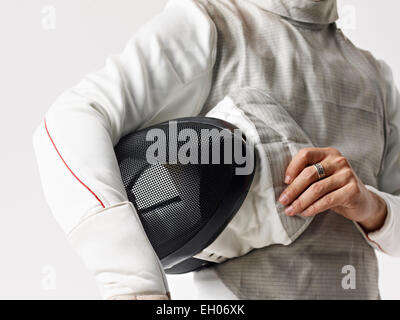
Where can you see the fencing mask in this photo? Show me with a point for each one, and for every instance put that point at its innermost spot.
(187, 178)
(195, 214)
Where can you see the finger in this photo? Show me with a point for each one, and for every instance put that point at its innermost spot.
(317, 190)
(308, 176)
(304, 158)
(329, 201)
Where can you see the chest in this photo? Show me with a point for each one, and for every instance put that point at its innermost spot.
(327, 85)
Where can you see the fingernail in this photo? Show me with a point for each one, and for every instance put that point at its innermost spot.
(284, 199)
(289, 211)
(279, 206)
(287, 179)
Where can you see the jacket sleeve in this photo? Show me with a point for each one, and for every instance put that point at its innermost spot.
(387, 238)
(164, 72)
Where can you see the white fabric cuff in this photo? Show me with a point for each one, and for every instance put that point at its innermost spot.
(113, 245)
(387, 238)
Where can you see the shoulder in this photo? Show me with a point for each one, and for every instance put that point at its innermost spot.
(379, 68)
(184, 34)
(386, 81)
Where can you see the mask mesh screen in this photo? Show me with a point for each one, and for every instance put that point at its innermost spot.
(174, 201)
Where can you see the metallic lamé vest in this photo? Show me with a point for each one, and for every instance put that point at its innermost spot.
(332, 90)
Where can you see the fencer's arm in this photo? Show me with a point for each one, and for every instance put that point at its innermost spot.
(387, 238)
(164, 72)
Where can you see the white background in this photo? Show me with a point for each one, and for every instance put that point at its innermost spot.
(40, 59)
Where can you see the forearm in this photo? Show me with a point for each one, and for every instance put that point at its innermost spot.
(377, 209)
(85, 194)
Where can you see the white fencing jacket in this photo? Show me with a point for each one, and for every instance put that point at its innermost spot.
(164, 72)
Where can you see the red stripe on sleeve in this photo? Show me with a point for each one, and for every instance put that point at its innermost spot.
(59, 154)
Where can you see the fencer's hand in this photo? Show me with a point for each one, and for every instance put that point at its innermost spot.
(340, 190)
